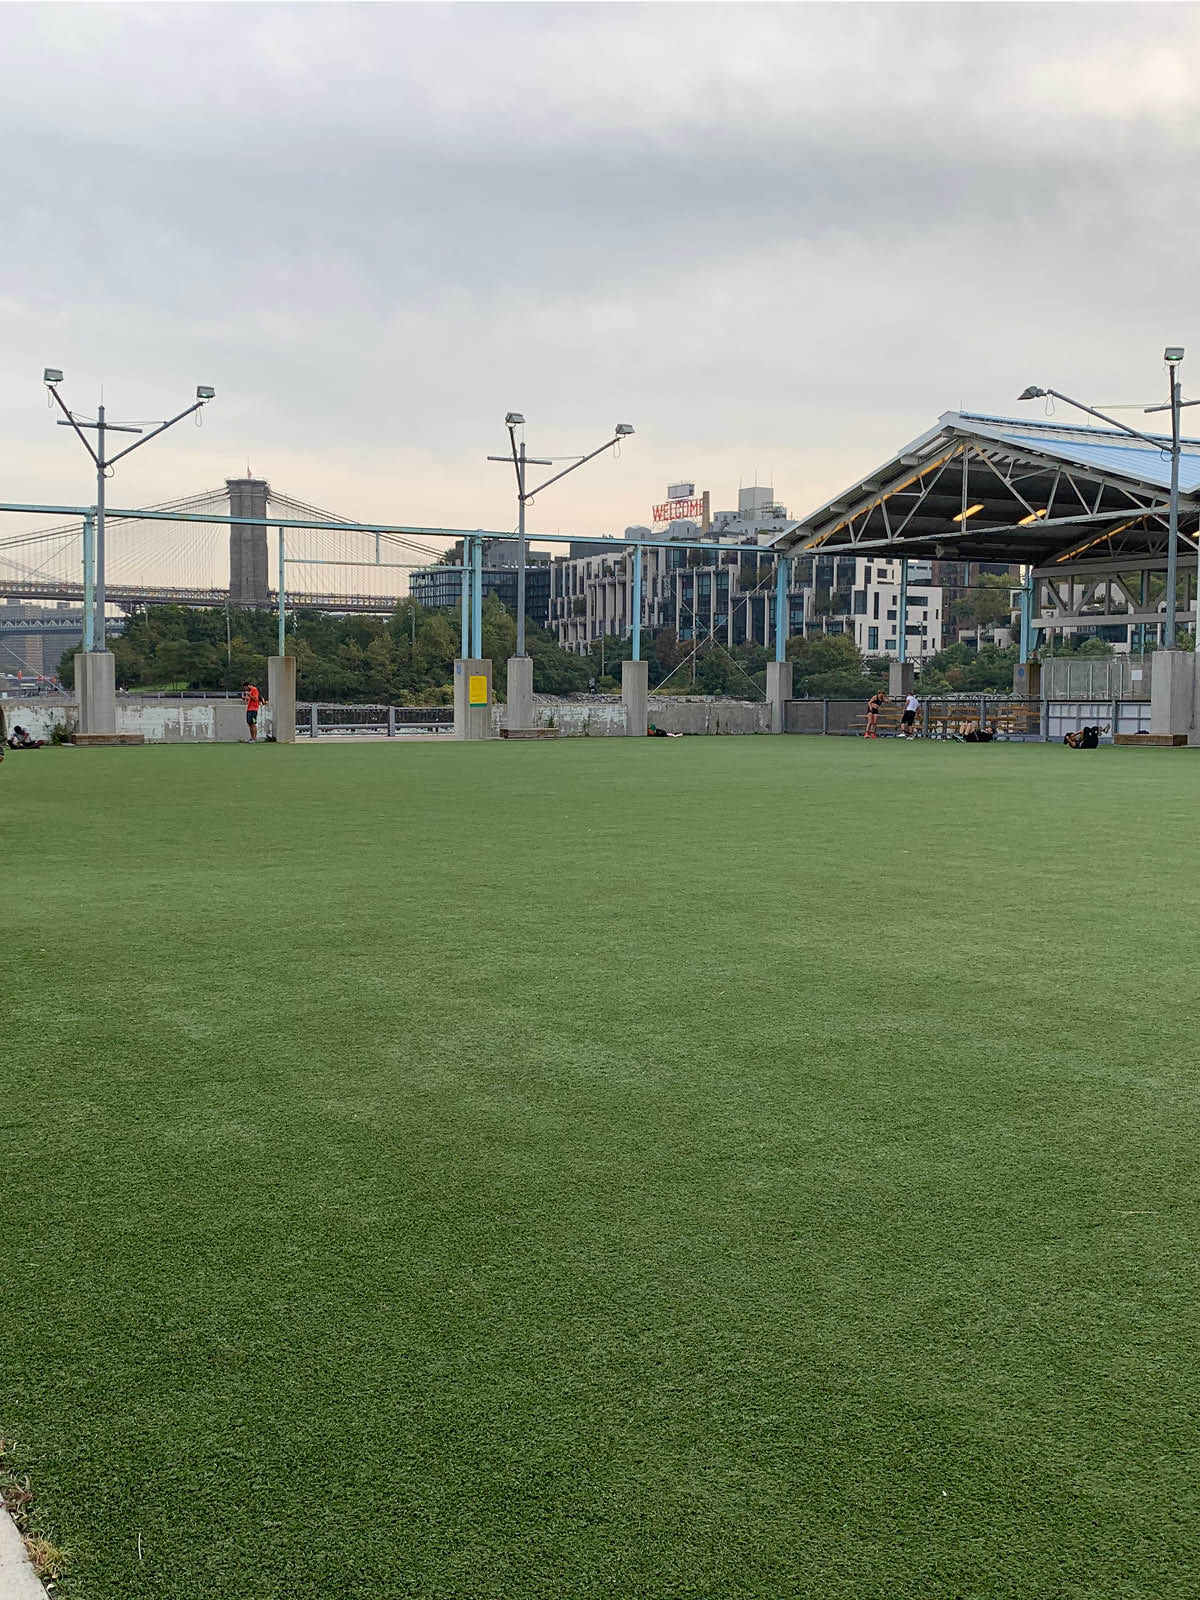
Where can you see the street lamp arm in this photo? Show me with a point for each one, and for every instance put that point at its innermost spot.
(71, 423)
(1112, 421)
(512, 439)
(162, 428)
(575, 464)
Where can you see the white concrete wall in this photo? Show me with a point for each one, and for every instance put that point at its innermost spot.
(39, 715)
(599, 716)
(188, 721)
(159, 721)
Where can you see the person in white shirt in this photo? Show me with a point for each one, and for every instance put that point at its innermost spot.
(908, 722)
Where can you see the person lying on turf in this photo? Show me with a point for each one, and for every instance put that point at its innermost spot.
(973, 733)
(661, 733)
(1085, 738)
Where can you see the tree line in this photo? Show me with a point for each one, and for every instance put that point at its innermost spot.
(408, 658)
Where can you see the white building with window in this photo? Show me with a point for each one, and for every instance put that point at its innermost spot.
(875, 608)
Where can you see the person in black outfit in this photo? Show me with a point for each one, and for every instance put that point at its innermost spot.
(1085, 738)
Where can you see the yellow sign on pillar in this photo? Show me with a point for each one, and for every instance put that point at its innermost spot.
(477, 694)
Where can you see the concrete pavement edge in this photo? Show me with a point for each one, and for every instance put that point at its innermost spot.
(18, 1580)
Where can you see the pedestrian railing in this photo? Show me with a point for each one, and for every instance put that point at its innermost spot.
(1009, 716)
(316, 720)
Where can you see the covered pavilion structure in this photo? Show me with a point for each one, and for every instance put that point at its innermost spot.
(1083, 510)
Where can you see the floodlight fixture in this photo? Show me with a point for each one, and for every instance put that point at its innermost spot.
(525, 495)
(1172, 355)
(95, 631)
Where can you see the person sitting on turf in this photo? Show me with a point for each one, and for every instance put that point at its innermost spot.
(21, 739)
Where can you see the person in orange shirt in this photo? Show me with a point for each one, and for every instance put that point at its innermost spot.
(253, 700)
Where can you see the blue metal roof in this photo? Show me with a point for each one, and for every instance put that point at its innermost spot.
(1139, 462)
(1102, 449)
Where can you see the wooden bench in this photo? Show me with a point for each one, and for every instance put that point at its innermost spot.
(1014, 720)
(108, 738)
(888, 721)
(943, 721)
(1155, 741)
(529, 733)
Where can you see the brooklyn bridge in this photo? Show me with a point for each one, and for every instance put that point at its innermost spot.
(171, 555)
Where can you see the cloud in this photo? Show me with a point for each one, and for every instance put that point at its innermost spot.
(775, 238)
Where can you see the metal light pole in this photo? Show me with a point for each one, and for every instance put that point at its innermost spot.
(52, 377)
(520, 458)
(1173, 512)
(1172, 355)
(520, 461)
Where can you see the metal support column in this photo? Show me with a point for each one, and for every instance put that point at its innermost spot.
(782, 573)
(465, 598)
(477, 599)
(637, 602)
(1027, 616)
(282, 596)
(99, 626)
(902, 615)
(89, 583)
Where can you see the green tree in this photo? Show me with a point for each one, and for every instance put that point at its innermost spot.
(832, 666)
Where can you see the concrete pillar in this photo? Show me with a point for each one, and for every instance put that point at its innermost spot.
(635, 689)
(472, 721)
(901, 677)
(520, 692)
(281, 697)
(779, 689)
(96, 686)
(1172, 691)
(1027, 679)
(248, 582)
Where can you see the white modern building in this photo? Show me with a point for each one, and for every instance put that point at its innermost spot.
(875, 607)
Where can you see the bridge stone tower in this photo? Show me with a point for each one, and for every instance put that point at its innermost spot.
(248, 582)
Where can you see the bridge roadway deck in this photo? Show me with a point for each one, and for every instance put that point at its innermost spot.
(124, 594)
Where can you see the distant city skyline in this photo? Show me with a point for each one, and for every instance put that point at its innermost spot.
(759, 233)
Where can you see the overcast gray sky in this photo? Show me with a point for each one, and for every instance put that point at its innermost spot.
(779, 239)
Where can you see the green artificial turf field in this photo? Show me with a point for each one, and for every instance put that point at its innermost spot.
(727, 1167)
